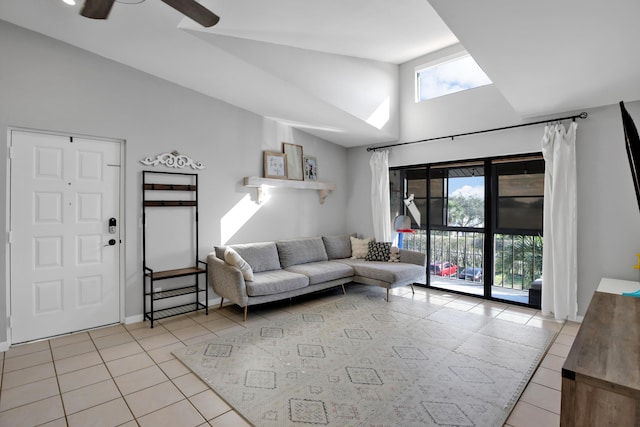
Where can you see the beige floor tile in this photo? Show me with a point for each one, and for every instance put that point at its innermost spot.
(175, 323)
(157, 341)
(553, 362)
(90, 396)
(181, 414)
(69, 339)
(121, 350)
(112, 413)
(27, 360)
(28, 375)
(190, 384)
(548, 378)
(222, 323)
(189, 332)
(209, 404)
(526, 415)
(199, 339)
(33, 414)
(230, 330)
(565, 339)
(229, 419)
(138, 380)
(107, 330)
(70, 364)
(75, 349)
(28, 393)
(545, 324)
(486, 311)
(148, 332)
(571, 328)
(174, 368)
(163, 354)
(113, 339)
(60, 422)
(513, 317)
(21, 350)
(153, 398)
(129, 364)
(457, 305)
(560, 350)
(83, 377)
(542, 397)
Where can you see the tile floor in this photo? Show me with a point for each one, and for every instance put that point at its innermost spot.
(125, 375)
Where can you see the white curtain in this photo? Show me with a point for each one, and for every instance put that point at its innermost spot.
(380, 204)
(559, 259)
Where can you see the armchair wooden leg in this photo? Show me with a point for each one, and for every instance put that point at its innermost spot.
(387, 294)
(245, 312)
(221, 299)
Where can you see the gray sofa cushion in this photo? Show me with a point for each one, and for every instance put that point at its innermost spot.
(322, 271)
(274, 282)
(337, 246)
(386, 271)
(301, 251)
(260, 256)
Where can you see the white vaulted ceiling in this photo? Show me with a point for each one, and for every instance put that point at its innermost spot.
(330, 67)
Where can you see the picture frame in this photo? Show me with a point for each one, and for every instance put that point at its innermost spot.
(294, 161)
(275, 165)
(310, 168)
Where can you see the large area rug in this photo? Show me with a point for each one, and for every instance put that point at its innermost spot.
(360, 361)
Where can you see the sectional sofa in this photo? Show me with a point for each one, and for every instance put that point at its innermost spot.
(257, 273)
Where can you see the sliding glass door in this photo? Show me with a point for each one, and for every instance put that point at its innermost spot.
(479, 223)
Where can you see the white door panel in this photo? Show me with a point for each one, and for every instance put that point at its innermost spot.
(64, 273)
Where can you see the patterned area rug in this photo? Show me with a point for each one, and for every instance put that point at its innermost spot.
(360, 361)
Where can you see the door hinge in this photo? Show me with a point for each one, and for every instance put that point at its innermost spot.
(10, 237)
(11, 152)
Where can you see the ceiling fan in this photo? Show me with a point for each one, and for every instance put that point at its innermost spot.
(99, 9)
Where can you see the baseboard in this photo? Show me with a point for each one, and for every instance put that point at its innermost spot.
(133, 319)
(4, 346)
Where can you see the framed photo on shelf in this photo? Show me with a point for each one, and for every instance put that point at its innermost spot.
(310, 168)
(275, 165)
(294, 160)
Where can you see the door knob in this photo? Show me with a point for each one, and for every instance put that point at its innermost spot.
(111, 242)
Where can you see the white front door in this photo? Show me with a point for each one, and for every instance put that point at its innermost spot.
(65, 261)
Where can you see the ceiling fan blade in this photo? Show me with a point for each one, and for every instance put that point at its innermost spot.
(96, 9)
(195, 11)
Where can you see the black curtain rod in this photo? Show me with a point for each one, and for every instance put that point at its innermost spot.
(582, 115)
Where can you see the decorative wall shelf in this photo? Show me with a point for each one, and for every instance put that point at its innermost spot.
(260, 183)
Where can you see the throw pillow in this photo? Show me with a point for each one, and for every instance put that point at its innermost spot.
(359, 247)
(231, 257)
(378, 251)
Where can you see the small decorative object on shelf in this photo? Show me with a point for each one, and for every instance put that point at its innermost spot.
(294, 161)
(152, 293)
(310, 168)
(275, 165)
(172, 160)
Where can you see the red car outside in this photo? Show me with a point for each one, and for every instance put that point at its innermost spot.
(443, 268)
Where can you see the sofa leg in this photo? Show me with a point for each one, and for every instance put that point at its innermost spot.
(343, 290)
(246, 307)
(413, 290)
(387, 294)
(221, 299)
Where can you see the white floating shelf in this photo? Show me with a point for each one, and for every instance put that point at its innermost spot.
(255, 181)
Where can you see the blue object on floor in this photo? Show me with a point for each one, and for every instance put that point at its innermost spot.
(632, 294)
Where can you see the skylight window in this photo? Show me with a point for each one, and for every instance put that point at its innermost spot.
(450, 76)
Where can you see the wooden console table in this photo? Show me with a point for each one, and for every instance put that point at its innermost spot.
(601, 376)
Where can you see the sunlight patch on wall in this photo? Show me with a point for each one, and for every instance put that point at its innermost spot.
(380, 117)
(238, 216)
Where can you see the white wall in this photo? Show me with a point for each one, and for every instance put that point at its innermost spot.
(48, 85)
(608, 214)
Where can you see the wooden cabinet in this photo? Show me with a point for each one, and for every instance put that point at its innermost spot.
(601, 376)
(188, 294)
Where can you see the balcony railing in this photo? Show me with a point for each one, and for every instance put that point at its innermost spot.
(517, 259)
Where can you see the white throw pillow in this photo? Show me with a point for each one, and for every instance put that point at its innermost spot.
(359, 247)
(231, 257)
